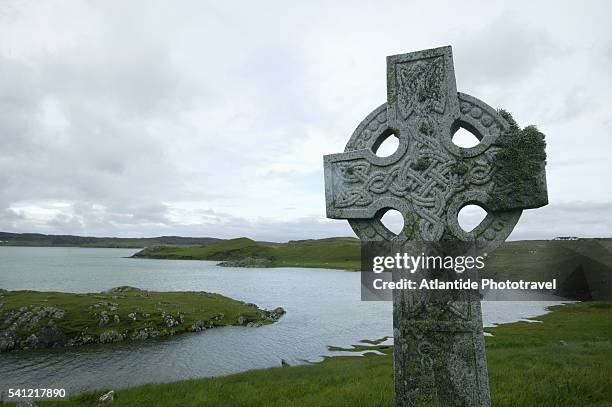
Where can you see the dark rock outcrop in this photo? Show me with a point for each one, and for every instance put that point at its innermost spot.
(248, 262)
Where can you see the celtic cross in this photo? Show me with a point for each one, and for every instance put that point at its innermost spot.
(428, 179)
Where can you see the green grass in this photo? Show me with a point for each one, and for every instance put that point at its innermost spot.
(375, 341)
(83, 312)
(528, 366)
(336, 253)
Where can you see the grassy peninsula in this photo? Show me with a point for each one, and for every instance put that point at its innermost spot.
(527, 259)
(34, 319)
(337, 252)
(564, 361)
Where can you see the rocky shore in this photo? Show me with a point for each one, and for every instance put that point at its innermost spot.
(248, 262)
(36, 320)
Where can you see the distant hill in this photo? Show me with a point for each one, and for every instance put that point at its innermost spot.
(336, 252)
(38, 239)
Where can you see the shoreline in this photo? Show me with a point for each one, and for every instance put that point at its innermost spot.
(562, 335)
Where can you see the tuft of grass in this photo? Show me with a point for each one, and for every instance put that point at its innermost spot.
(528, 366)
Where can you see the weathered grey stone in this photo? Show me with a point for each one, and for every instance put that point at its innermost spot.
(198, 326)
(439, 354)
(50, 335)
(110, 337)
(248, 262)
(26, 403)
(31, 342)
(8, 340)
(85, 339)
(52, 312)
(104, 319)
(169, 320)
(140, 335)
(107, 397)
(276, 313)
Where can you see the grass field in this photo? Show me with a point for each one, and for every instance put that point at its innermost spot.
(335, 253)
(564, 361)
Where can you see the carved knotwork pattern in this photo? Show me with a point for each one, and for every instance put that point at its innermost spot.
(428, 188)
(422, 85)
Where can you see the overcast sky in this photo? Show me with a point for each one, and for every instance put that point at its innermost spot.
(126, 118)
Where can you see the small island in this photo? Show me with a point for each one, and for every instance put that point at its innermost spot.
(36, 320)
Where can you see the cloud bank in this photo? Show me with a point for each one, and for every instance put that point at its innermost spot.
(210, 119)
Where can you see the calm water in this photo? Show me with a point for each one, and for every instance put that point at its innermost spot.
(323, 308)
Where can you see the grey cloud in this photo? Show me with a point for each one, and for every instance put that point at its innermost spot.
(508, 50)
(155, 221)
(64, 224)
(9, 215)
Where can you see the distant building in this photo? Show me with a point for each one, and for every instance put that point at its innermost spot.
(566, 238)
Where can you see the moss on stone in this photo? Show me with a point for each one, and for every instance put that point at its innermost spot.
(460, 168)
(427, 128)
(411, 226)
(421, 164)
(519, 163)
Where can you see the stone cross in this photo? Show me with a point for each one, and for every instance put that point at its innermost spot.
(439, 353)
